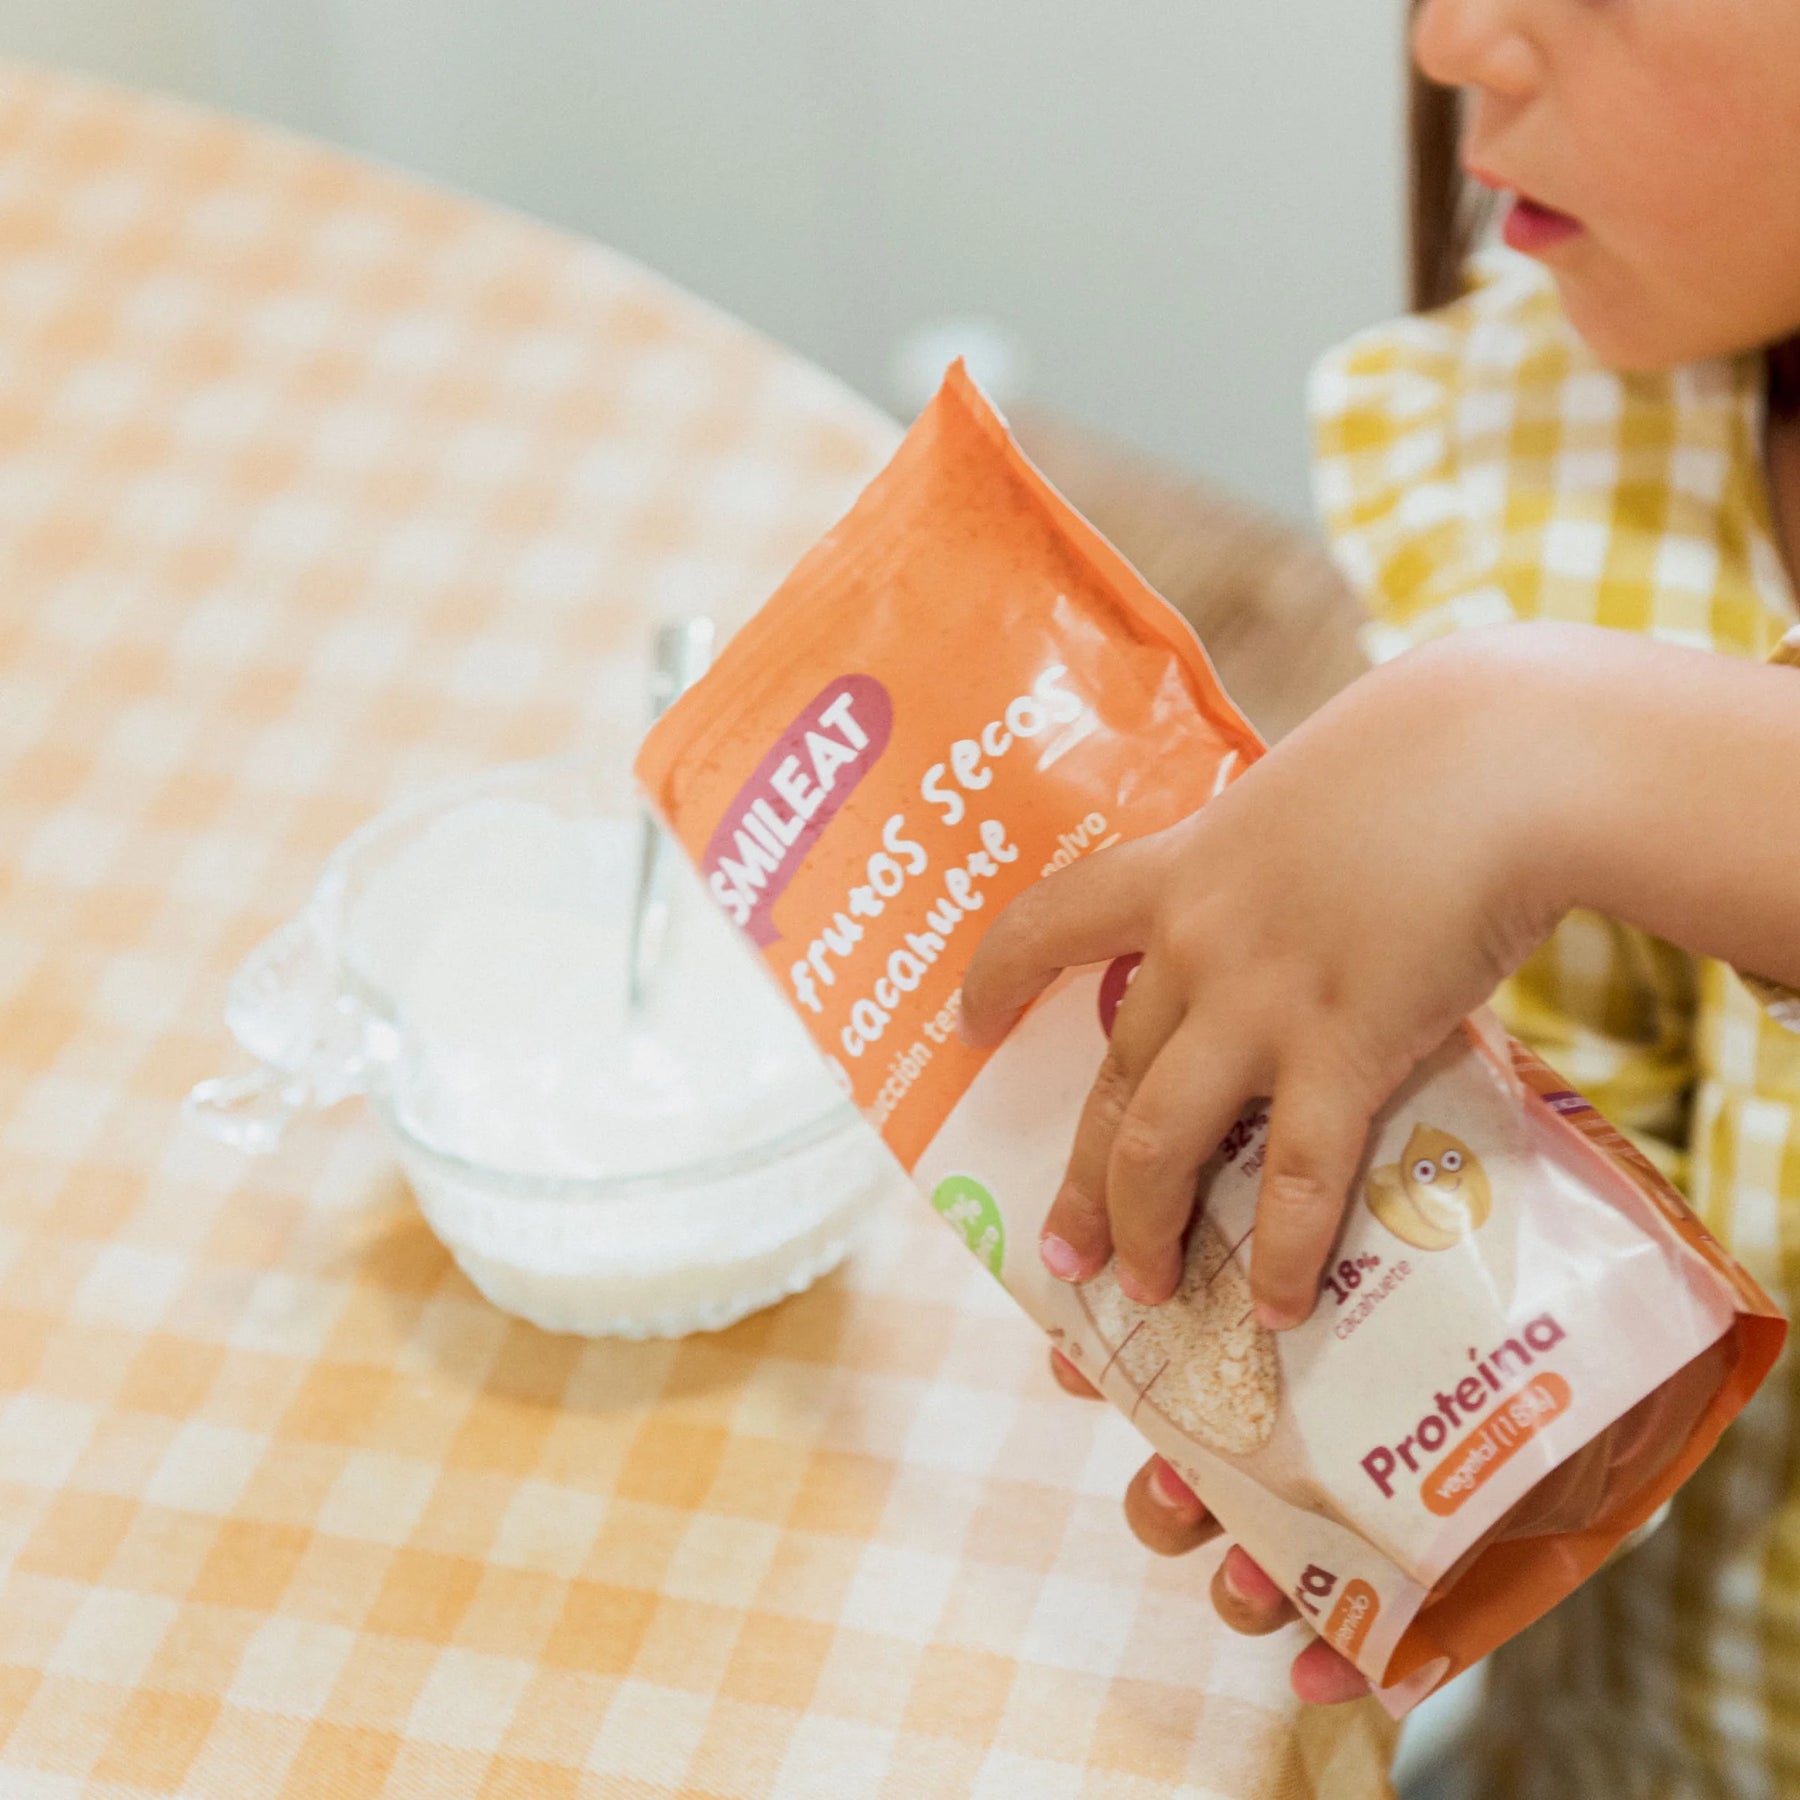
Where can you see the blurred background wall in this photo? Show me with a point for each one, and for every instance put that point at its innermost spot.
(1162, 208)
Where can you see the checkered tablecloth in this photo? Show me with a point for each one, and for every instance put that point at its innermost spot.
(315, 485)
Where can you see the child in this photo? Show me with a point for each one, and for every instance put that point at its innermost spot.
(1567, 496)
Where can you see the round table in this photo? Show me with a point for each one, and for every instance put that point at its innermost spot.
(315, 485)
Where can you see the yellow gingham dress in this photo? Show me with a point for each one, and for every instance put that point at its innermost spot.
(1478, 465)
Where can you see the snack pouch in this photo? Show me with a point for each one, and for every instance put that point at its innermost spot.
(1525, 1341)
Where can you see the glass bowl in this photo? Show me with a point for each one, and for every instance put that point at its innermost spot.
(460, 965)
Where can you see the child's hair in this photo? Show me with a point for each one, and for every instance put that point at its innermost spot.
(1446, 217)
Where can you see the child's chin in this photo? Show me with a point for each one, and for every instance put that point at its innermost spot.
(1631, 352)
(1632, 337)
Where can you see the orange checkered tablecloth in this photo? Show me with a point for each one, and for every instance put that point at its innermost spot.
(316, 484)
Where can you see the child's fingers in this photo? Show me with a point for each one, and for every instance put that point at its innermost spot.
(1321, 1677)
(1318, 1124)
(1077, 1237)
(1250, 1603)
(1091, 912)
(1246, 1599)
(1070, 1379)
(1183, 1106)
(1164, 1513)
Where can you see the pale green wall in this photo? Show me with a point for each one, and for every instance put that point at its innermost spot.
(1173, 203)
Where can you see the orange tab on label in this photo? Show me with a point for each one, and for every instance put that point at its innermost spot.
(1495, 1442)
(1351, 1618)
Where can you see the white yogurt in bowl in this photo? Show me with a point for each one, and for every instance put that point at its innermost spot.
(592, 1166)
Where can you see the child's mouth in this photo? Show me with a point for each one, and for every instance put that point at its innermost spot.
(1535, 229)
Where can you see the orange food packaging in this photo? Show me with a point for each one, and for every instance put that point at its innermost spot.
(1525, 1341)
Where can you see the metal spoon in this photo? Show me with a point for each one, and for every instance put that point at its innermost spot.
(679, 657)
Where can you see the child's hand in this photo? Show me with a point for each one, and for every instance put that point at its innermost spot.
(1309, 936)
(1167, 1516)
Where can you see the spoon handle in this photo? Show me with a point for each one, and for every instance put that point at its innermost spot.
(679, 657)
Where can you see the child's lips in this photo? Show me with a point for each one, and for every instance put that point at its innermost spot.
(1535, 228)
(1530, 225)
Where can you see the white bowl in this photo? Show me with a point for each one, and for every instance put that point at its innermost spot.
(702, 1217)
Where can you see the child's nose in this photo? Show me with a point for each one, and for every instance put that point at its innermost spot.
(1476, 44)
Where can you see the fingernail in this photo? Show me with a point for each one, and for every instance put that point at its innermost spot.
(1136, 1289)
(1062, 1259)
(1168, 1490)
(1276, 1318)
(1227, 1575)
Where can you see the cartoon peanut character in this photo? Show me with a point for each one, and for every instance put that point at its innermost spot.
(1436, 1195)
